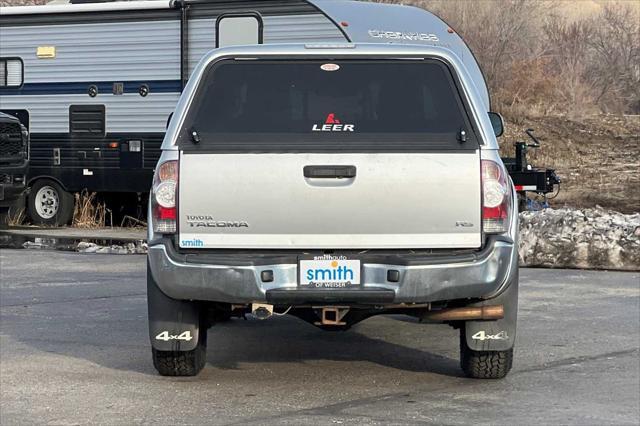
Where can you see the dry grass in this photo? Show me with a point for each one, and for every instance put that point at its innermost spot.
(88, 212)
(16, 218)
(132, 222)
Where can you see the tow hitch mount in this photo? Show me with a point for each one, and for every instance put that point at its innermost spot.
(332, 315)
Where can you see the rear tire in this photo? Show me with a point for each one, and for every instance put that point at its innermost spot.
(484, 364)
(185, 363)
(49, 204)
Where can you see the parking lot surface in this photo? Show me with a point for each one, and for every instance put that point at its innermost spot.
(74, 349)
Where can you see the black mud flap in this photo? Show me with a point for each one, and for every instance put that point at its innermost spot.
(174, 325)
(498, 335)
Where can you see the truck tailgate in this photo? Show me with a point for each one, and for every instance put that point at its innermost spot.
(265, 201)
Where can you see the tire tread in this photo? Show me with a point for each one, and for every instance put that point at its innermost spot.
(188, 363)
(484, 364)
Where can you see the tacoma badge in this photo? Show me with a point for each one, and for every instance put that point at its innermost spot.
(210, 222)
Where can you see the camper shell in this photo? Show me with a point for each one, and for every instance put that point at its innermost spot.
(98, 81)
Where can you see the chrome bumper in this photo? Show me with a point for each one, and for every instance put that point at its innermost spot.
(483, 276)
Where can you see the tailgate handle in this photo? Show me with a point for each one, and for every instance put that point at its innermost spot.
(329, 172)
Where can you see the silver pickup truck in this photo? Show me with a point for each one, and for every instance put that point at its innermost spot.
(332, 183)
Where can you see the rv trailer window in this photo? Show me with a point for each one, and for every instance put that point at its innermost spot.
(237, 29)
(344, 105)
(11, 72)
(87, 120)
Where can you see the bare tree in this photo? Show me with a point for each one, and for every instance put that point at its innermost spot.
(615, 58)
(567, 46)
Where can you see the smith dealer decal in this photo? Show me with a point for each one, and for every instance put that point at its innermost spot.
(403, 35)
(194, 242)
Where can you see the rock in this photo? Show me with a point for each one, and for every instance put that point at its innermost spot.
(571, 238)
(85, 247)
(32, 245)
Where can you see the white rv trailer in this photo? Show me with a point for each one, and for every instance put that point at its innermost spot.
(96, 83)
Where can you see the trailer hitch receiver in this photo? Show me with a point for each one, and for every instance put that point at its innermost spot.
(332, 315)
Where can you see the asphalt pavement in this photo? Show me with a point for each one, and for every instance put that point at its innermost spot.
(74, 350)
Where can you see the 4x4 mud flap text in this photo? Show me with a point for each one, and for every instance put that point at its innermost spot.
(498, 335)
(173, 324)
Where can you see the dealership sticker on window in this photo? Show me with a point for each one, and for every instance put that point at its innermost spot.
(333, 124)
(329, 67)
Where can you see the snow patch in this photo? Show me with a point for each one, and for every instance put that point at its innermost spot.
(593, 238)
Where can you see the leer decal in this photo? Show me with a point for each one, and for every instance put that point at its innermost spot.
(333, 124)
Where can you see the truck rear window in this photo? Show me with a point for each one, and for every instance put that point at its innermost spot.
(345, 105)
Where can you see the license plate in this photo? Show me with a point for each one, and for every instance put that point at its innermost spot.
(329, 272)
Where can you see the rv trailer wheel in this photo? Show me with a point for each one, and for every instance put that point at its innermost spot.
(49, 204)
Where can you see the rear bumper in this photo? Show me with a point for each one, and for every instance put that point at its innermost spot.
(480, 275)
(12, 185)
(12, 182)
(10, 193)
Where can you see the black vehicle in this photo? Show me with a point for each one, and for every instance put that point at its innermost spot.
(14, 163)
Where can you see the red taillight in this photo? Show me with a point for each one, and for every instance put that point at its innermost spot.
(164, 213)
(163, 198)
(494, 213)
(496, 199)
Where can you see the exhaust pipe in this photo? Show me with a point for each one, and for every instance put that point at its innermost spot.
(466, 314)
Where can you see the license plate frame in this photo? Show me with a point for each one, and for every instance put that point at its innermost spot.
(355, 264)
